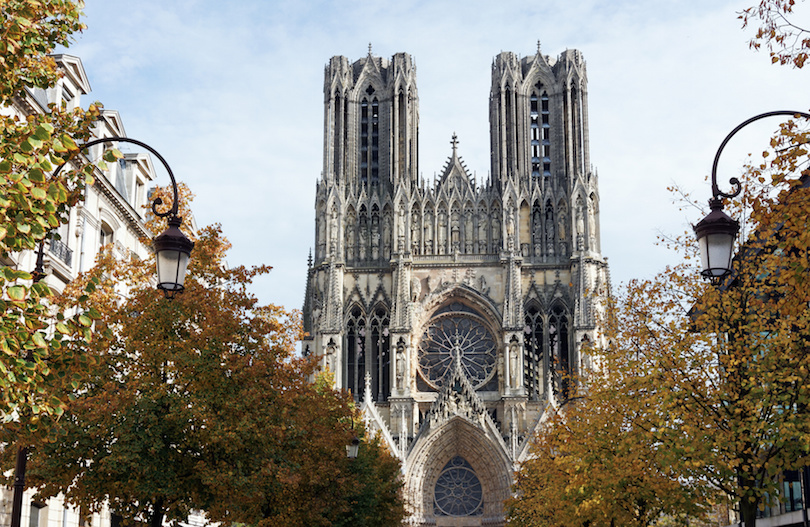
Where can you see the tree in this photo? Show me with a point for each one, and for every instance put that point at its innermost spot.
(34, 363)
(730, 362)
(200, 403)
(787, 42)
(593, 463)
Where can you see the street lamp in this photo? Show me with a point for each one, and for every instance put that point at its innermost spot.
(172, 252)
(353, 448)
(716, 232)
(172, 247)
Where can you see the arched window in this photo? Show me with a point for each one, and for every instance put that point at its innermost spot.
(364, 141)
(533, 352)
(106, 234)
(546, 347)
(539, 132)
(380, 353)
(546, 134)
(368, 348)
(355, 353)
(458, 491)
(375, 142)
(559, 348)
(534, 134)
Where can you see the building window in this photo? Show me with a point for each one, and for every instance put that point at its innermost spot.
(457, 333)
(106, 236)
(38, 515)
(368, 348)
(540, 132)
(533, 352)
(534, 131)
(458, 490)
(558, 345)
(355, 353)
(369, 140)
(380, 347)
(553, 337)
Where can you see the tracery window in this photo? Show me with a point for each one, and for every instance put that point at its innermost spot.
(533, 352)
(540, 132)
(546, 346)
(368, 349)
(559, 348)
(457, 333)
(458, 490)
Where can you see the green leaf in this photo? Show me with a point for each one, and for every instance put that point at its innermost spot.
(17, 293)
(39, 193)
(85, 321)
(5, 166)
(36, 175)
(39, 340)
(68, 142)
(43, 131)
(112, 154)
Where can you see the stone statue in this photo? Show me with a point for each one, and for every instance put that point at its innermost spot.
(350, 241)
(400, 365)
(502, 382)
(429, 233)
(416, 289)
(442, 232)
(514, 357)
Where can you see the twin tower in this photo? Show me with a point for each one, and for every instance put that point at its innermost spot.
(455, 312)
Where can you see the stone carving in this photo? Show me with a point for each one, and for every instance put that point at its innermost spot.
(400, 365)
(416, 289)
(514, 369)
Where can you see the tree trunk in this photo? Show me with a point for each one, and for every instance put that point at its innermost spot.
(748, 511)
(157, 514)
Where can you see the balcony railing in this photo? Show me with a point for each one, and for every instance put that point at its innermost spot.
(60, 249)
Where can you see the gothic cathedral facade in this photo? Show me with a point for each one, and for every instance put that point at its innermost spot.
(454, 311)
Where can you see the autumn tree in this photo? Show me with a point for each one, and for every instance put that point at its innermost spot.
(201, 403)
(34, 363)
(730, 361)
(593, 463)
(786, 41)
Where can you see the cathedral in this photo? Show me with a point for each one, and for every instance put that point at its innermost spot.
(455, 312)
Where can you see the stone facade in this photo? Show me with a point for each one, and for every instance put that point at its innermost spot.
(454, 311)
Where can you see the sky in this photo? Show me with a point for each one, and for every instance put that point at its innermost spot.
(231, 94)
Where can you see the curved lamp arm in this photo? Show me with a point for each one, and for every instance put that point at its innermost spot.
(716, 232)
(172, 247)
(716, 193)
(158, 201)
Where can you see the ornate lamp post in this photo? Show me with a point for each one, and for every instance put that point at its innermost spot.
(172, 252)
(716, 232)
(172, 247)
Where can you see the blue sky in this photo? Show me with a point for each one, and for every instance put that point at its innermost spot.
(231, 93)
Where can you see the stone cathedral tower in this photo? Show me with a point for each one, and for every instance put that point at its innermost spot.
(452, 310)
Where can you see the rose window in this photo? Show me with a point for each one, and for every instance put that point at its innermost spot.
(458, 491)
(457, 333)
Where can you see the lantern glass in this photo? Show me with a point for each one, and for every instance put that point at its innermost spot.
(353, 448)
(171, 269)
(715, 254)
